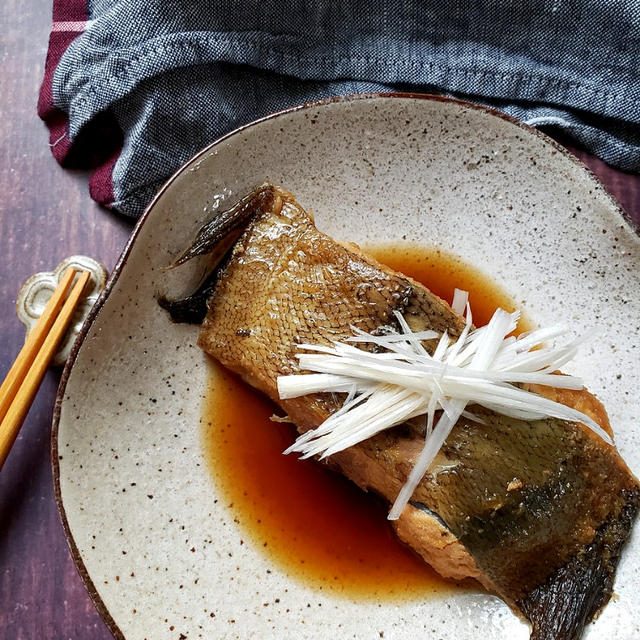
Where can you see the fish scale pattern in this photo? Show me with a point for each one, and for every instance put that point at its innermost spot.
(537, 511)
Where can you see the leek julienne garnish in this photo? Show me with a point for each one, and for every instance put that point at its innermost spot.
(403, 380)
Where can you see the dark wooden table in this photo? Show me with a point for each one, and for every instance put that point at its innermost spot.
(46, 215)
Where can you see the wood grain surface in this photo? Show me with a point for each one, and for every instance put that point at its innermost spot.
(46, 215)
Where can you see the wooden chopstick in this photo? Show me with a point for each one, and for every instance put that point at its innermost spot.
(31, 364)
(33, 343)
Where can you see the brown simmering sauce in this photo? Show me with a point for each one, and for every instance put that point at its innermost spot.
(441, 273)
(314, 524)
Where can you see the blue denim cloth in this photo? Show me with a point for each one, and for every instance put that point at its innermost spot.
(207, 67)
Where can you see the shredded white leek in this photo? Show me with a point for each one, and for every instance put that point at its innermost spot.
(388, 387)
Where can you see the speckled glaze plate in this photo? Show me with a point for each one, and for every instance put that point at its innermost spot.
(160, 555)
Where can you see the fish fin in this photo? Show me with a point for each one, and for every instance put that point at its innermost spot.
(216, 238)
(193, 308)
(230, 222)
(571, 597)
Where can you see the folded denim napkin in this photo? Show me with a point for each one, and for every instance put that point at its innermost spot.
(133, 89)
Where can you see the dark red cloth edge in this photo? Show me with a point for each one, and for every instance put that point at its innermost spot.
(101, 183)
(75, 14)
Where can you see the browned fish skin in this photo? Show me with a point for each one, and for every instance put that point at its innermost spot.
(596, 563)
(537, 511)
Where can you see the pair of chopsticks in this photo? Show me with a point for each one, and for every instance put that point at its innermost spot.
(23, 380)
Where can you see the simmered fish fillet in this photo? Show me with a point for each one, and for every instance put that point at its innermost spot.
(537, 511)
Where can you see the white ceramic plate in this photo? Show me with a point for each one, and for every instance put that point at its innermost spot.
(133, 487)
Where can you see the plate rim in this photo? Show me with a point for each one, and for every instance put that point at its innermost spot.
(114, 276)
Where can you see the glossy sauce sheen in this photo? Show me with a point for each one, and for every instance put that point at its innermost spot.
(312, 523)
